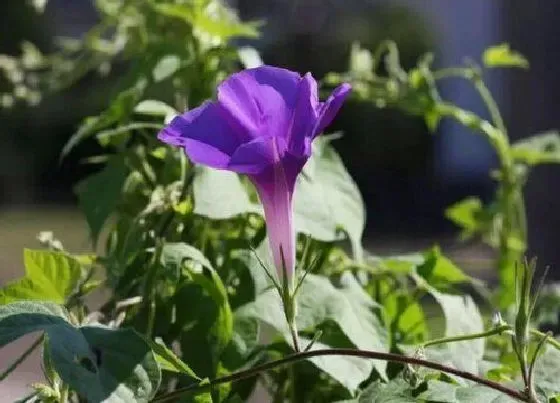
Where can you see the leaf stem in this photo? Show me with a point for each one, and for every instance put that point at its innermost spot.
(21, 359)
(444, 340)
(173, 396)
(550, 340)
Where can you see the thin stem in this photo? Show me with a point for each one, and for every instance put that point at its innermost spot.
(173, 396)
(531, 384)
(21, 359)
(490, 103)
(293, 332)
(552, 341)
(444, 340)
(148, 297)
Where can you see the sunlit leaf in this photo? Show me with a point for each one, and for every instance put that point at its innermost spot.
(461, 317)
(439, 271)
(168, 361)
(220, 195)
(396, 391)
(327, 202)
(439, 391)
(542, 148)
(166, 67)
(502, 56)
(49, 276)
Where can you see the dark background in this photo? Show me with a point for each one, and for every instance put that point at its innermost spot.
(406, 175)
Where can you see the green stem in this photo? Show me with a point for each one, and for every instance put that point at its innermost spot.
(21, 359)
(177, 394)
(498, 330)
(553, 342)
(490, 103)
(452, 339)
(148, 296)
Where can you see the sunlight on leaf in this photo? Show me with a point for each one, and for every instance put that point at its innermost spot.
(502, 56)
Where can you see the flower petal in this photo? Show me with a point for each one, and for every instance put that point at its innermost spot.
(254, 157)
(330, 107)
(205, 135)
(260, 101)
(304, 117)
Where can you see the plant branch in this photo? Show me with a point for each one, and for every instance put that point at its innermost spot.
(173, 396)
(21, 359)
(550, 340)
(444, 340)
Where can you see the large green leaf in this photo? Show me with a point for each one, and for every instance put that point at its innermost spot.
(318, 302)
(209, 316)
(220, 195)
(543, 148)
(439, 391)
(461, 317)
(49, 276)
(99, 194)
(547, 371)
(101, 364)
(327, 201)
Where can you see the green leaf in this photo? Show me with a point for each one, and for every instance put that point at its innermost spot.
(439, 271)
(120, 108)
(249, 57)
(547, 371)
(396, 391)
(502, 56)
(361, 61)
(327, 200)
(99, 194)
(221, 22)
(101, 364)
(49, 276)
(168, 361)
(120, 134)
(176, 254)
(166, 67)
(543, 148)
(461, 317)
(439, 391)
(220, 195)
(156, 108)
(405, 317)
(465, 214)
(318, 302)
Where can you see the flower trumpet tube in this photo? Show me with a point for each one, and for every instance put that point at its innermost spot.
(261, 125)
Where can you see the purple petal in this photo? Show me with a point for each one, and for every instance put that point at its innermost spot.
(254, 157)
(260, 101)
(204, 134)
(330, 108)
(304, 117)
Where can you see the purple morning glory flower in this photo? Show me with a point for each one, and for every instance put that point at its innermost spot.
(261, 125)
